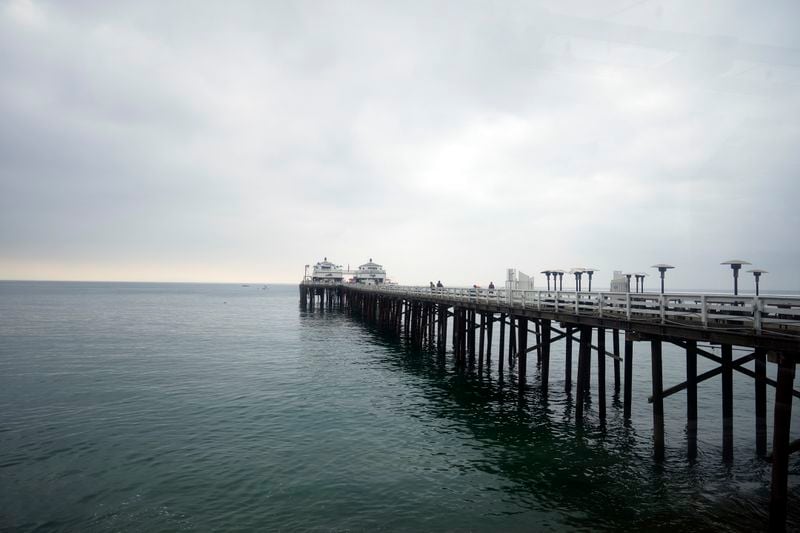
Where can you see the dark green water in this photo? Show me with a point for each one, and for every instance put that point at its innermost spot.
(152, 407)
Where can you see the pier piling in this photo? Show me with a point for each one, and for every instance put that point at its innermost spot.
(584, 355)
(780, 443)
(545, 354)
(502, 341)
(482, 331)
(626, 409)
(615, 349)
(522, 353)
(761, 402)
(601, 374)
(489, 327)
(568, 361)
(691, 399)
(658, 400)
(727, 403)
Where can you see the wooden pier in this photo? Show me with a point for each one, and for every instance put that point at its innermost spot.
(769, 327)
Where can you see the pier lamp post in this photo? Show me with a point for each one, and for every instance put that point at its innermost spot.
(735, 264)
(578, 272)
(629, 281)
(662, 268)
(560, 279)
(590, 272)
(640, 281)
(305, 274)
(757, 274)
(547, 273)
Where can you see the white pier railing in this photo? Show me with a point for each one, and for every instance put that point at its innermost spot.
(754, 313)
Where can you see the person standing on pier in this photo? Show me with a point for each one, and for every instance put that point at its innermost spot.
(439, 284)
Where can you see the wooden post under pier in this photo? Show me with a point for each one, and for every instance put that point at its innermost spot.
(761, 402)
(502, 341)
(568, 361)
(691, 399)
(727, 403)
(626, 409)
(522, 353)
(482, 341)
(471, 336)
(780, 443)
(615, 348)
(489, 327)
(585, 377)
(658, 401)
(584, 356)
(601, 374)
(444, 318)
(511, 341)
(545, 354)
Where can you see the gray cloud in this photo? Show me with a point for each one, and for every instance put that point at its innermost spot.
(188, 141)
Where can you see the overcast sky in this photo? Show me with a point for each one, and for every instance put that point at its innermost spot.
(239, 141)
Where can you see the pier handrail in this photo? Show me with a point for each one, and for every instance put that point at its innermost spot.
(779, 314)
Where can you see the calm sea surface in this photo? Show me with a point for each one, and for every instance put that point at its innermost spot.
(150, 407)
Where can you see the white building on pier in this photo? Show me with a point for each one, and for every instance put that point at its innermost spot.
(370, 273)
(327, 272)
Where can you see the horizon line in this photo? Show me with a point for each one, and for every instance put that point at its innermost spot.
(678, 289)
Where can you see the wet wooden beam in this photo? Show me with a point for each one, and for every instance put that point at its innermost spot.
(727, 403)
(568, 361)
(546, 342)
(432, 325)
(584, 352)
(445, 315)
(471, 336)
(584, 377)
(512, 339)
(601, 374)
(658, 402)
(615, 348)
(502, 341)
(523, 353)
(489, 327)
(691, 399)
(780, 444)
(761, 402)
(482, 331)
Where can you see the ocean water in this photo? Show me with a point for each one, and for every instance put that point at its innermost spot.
(153, 407)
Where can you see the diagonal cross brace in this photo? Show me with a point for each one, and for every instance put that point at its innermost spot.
(552, 340)
(745, 371)
(575, 338)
